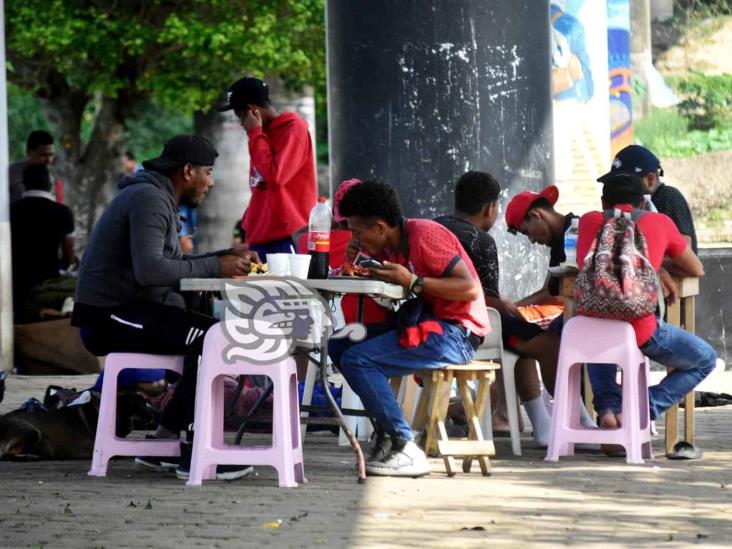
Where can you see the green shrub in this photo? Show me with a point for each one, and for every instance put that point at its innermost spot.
(706, 99)
(666, 132)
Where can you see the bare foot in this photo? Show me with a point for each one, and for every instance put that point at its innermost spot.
(611, 420)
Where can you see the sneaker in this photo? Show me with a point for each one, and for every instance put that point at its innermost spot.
(160, 464)
(380, 446)
(406, 459)
(223, 472)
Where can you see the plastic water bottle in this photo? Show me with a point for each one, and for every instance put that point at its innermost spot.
(570, 243)
(319, 239)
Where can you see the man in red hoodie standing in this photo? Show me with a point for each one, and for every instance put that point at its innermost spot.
(282, 168)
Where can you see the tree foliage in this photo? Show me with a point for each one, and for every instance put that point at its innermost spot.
(96, 65)
(180, 53)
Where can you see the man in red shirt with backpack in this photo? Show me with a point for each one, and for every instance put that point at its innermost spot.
(282, 168)
(691, 358)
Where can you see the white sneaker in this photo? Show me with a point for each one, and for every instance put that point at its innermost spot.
(409, 461)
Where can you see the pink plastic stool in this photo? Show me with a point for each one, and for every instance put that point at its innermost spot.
(600, 341)
(209, 449)
(106, 443)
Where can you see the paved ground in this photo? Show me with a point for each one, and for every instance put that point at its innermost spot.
(585, 501)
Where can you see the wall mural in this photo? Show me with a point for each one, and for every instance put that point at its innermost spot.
(618, 45)
(581, 110)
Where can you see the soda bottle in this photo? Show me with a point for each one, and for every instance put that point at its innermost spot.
(570, 243)
(319, 239)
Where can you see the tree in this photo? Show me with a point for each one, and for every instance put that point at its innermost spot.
(104, 60)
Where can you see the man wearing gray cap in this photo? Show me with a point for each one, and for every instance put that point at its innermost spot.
(125, 296)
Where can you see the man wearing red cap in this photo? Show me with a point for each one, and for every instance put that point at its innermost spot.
(533, 215)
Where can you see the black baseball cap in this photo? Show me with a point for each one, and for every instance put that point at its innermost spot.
(243, 92)
(623, 188)
(633, 159)
(183, 149)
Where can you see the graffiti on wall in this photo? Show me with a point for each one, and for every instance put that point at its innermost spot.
(618, 45)
(581, 110)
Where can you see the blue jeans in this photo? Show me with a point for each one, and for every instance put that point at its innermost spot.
(691, 358)
(368, 365)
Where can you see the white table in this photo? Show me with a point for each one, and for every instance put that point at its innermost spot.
(335, 286)
(328, 288)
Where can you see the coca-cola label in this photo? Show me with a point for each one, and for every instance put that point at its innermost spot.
(319, 241)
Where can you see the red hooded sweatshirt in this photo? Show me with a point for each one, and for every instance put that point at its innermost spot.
(282, 179)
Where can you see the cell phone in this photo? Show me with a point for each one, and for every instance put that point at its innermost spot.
(370, 264)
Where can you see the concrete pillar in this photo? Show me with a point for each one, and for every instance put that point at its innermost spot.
(640, 53)
(420, 92)
(6, 265)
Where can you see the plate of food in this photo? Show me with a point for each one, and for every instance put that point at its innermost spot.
(349, 270)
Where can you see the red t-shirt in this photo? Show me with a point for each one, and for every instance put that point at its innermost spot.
(433, 249)
(662, 238)
(282, 179)
(373, 313)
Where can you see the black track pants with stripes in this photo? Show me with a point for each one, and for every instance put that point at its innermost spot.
(156, 329)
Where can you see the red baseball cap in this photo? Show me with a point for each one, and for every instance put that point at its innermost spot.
(520, 204)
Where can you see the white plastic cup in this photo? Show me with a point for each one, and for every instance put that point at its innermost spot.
(299, 265)
(279, 264)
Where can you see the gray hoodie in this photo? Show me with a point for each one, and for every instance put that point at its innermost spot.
(134, 254)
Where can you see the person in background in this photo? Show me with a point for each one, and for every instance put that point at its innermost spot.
(130, 163)
(282, 168)
(42, 245)
(533, 215)
(476, 211)
(188, 225)
(39, 150)
(668, 200)
(690, 358)
(659, 197)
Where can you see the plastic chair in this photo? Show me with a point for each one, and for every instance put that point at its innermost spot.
(492, 349)
(209, 449)
(106, 443)
(601, 341)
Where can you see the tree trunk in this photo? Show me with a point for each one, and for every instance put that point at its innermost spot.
(88, 172)
(224, 206)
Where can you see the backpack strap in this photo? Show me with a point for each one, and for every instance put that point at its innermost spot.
(634, 215)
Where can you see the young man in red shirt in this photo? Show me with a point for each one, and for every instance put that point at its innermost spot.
(691, 358)
(428, 260)
(282, 168)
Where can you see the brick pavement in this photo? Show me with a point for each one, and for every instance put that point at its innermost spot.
(587, 500)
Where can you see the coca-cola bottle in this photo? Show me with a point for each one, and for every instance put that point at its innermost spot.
(319, 239)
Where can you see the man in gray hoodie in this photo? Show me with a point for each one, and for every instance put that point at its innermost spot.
(126, 299)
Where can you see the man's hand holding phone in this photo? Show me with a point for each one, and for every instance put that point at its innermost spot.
(388, 272)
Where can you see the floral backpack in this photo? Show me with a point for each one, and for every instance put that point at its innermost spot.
(617, 281)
